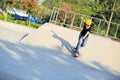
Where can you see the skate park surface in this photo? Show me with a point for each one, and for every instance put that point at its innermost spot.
(45, 54)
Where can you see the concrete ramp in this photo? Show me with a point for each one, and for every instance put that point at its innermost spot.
(44, 54)
(53, 37)
(98, 50)
(14, 32)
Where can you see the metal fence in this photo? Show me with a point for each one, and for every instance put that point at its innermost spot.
(72, 20)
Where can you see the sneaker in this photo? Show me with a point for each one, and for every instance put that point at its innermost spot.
(76, 54)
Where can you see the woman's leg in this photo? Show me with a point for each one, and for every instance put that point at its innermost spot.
(78, 44)
(84, 42)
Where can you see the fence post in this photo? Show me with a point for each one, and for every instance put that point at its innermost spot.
(65, 17)
(72, 20)
(81, 22)
(108, 27)
(51, 14)
(57, 16)
(117, 30)
(98, 27)
(54, 15)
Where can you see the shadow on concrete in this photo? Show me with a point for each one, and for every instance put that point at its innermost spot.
(39, 63)
(24, 36)
(64, 43)
(5, 76)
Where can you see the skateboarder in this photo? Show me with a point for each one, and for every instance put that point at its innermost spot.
(83, 36)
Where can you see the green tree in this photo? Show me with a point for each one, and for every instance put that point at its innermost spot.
(79, 6)
(107, 10)
(31, 6)
(5, 4)
(62, 13)
(17, 4)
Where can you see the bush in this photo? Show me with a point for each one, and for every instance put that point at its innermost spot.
(2, 17)
(34, 25)
(10, 18)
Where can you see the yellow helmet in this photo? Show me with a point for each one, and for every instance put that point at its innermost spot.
(88, 21)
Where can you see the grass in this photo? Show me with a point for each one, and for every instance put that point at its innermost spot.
(2, 17)
(10, 18)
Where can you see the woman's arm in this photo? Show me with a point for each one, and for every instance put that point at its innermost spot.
(82, 19)
(85, 36)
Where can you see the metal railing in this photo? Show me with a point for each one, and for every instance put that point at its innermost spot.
(70, 19)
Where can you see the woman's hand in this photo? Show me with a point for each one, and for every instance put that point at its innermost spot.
(81, 39)
(82, 19)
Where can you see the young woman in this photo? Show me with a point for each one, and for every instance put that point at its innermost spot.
(83, 37)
